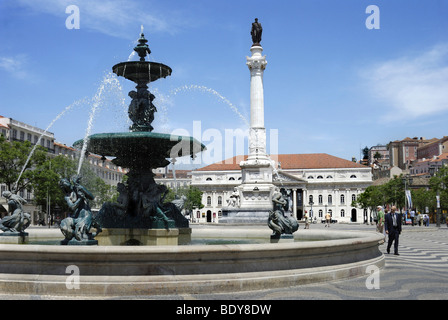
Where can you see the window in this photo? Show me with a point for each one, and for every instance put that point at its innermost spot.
(209, 201)
(208, 179)
(352, 176)
(329, 177)
(330, 199)
(231, 178)
(311, 199)
(353, 197)
(320, 177)
(342, 199)
(320, 213)
(321, 199)
(342, 213)
(310, 177)
(219, 201)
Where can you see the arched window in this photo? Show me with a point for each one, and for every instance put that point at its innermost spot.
(321, 199)
(353, 197)
(219, 201)
(330, 199)
(231, 178)
(342, 199)
(310, 177)
(209, 201)
(321, 213)
(320, 177)
(352, 176)
(342, 213)
(311, 199)
(208, 179)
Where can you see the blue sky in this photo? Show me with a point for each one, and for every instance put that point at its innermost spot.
(331, 84)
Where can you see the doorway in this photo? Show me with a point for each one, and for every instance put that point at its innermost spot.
(209, 216)
(354, 218)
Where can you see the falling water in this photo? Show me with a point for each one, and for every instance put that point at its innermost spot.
(131, 56)
(213, 92)
(110, 82)
(69, 107)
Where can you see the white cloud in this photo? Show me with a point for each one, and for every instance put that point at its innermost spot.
(15, 66)
(412, 86)
(112, 17)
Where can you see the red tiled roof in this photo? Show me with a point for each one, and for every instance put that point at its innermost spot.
(290, 161)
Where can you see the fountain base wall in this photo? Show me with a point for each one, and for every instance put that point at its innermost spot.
(150, 270)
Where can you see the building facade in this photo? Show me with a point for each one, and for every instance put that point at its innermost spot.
(317, 184)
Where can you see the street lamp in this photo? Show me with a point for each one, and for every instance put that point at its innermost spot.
(311, 210)
(407, 179)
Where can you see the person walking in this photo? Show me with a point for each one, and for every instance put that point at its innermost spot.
(412, 216)
(393, 229)
(307, 221)
(380, 217)
(328, 220)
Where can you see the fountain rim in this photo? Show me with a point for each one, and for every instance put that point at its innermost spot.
(144, 135)
(346, 238)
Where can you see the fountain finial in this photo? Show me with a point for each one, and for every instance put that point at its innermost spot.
(142, 48)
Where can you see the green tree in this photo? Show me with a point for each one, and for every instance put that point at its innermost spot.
(372, 197)
(193, 194)
(45, 180)
(421, 199)
(439, 184)
(13, 159)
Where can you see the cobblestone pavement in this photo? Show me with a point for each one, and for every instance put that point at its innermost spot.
(419, 272)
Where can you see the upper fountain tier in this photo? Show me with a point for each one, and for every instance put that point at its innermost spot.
(142, 71)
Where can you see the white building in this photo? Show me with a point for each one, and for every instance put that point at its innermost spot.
(329, 183)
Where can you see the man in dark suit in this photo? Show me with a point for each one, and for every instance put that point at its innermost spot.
(393, 229)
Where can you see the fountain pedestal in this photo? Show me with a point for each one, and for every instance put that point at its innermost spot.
(146, 237)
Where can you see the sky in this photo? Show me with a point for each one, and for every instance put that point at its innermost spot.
(339, 77)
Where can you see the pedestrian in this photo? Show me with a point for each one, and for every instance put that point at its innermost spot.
(425, 220)
(328, 220)
(412, 216)
(393, 229)
(307, 221)
(380, 217)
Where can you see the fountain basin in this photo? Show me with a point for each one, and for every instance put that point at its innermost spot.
(141, 71)
(143, 270)
(142, 149)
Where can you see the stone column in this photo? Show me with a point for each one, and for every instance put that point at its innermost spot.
(294, 202)
(257, 139)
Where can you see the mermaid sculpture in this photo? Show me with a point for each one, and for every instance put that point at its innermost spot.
(19, 220)
(78, 226)
(278, 220)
